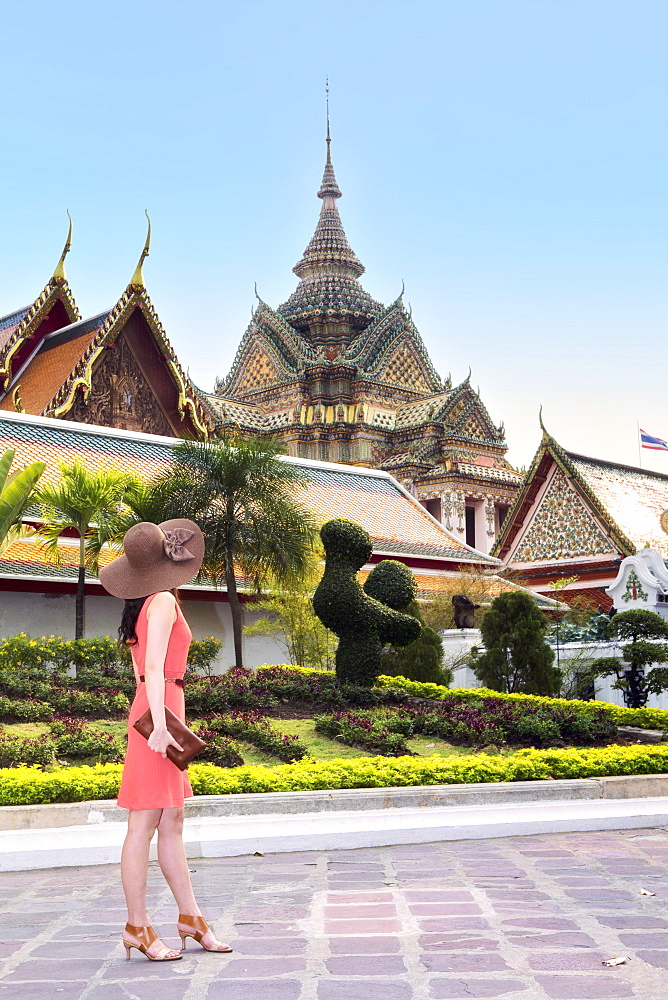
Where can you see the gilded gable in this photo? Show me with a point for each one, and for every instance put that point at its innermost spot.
(258, 371)
(405, 368)
(120, 396)
(562, 527)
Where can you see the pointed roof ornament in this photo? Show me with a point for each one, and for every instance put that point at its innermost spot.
(329, 188)
(137, 279)
(59, 273)
(546, 433)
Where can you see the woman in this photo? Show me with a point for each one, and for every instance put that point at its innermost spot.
(157, 559)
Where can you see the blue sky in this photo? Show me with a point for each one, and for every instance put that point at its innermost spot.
(506, 160)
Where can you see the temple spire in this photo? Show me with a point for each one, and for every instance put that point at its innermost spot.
(59, 273)
(329, 188)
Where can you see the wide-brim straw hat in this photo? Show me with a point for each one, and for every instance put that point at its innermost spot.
(156, 557)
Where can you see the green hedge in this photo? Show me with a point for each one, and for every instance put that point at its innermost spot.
(30, 785)
(643, 718)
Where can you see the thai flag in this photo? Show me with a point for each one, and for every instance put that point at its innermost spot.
(647, 441)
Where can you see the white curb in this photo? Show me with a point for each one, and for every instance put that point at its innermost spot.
(232, 836)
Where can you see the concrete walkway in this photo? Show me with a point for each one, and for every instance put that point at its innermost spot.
(520, 918)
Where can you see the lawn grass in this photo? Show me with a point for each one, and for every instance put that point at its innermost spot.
(319, 746)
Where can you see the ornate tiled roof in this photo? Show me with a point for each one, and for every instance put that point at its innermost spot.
(419, 411)
(598, 507)
(397, 523)
(227, 412)
(63, 361)
(8, 324)
(52, 364)
(634, 498)
(391, 350)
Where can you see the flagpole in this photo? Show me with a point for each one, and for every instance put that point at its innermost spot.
(639, 449)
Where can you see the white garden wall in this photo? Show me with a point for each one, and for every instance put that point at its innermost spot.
(53, 614)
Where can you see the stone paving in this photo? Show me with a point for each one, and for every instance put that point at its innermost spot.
(520, 918)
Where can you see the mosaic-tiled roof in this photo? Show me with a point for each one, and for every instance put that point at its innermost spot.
(22, 330)
(598, 507)
(397, 523)
(418, 411)
(8, 324)
(634, 498)
(228, 412)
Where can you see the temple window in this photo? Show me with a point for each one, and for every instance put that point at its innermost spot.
(433, 506)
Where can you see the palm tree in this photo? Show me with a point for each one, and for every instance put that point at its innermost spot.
(245, 500)
(89, 503)
(15, 495)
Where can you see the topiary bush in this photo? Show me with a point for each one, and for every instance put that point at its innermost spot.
(363, 625)
(421, 660)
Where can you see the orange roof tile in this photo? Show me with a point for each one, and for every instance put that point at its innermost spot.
(47, 372)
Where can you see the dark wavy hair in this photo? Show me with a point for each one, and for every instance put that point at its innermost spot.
(127, 630)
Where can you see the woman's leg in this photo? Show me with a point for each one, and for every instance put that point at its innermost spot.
(174, 865)
(142, 824)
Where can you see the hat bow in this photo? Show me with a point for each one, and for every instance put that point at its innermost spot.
(174, 544)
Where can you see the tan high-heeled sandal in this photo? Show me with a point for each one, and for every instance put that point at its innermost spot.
(197, 928)
(146, 937)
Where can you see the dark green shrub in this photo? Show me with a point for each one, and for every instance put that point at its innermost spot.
(96, 704)
(15, 750)
(420, 660)
(635, 681)
(219, 750)
(254, 728)
(517, 658)
(75, 739)
(391, 583)
(29, 710)
(360, 729)
(362, 624)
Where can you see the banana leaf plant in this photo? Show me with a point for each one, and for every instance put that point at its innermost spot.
(15, 494)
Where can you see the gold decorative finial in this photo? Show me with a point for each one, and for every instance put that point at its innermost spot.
(59, 273)
(546, 433)
(138, 277)
(329, 158)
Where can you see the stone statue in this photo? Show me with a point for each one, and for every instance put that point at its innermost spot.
(464, 611)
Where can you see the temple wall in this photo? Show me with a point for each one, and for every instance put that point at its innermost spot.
(53, 614)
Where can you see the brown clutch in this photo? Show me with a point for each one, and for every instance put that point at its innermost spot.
(192, 744)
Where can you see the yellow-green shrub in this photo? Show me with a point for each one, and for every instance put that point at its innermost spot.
(643, 718)
(30, 785)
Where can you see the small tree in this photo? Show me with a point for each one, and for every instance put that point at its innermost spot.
(248, 503)
(634, 681)
(421, 660)
(292, 622)
(88, 502)
(517, 658)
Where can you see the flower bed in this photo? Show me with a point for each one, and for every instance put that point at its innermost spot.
(643, 718)
(476, 721)
(254, 728)
(30, 785)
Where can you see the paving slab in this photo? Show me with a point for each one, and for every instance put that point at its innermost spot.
(448, 920)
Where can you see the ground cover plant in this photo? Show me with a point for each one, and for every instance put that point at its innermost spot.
(30, 785)
(283, 713)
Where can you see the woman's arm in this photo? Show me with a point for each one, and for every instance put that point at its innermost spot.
(160, 616)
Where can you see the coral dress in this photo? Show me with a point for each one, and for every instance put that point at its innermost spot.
(151, 781)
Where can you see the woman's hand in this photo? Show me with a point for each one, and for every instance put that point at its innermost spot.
(160, 739)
